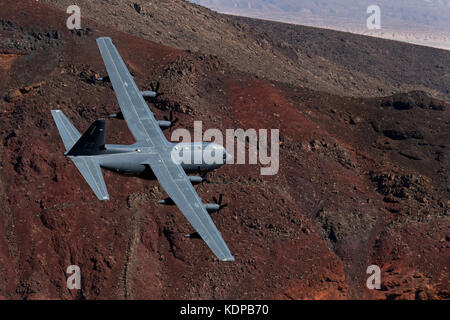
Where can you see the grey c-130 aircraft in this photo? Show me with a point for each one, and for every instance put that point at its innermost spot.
(149, 158)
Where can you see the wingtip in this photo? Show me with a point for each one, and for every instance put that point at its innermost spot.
(103, 38)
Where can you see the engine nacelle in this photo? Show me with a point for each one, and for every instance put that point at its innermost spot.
(167, 202)
(196, 180)
(211, 207)
(194, 235)
(118, 115)
(163, 124)
(104, 79)
(149, 94)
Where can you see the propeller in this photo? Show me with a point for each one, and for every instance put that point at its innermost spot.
(156, 89)
(219, 202)
(171, 119)
(203, 174)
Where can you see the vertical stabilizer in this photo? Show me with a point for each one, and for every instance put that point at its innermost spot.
(92, 142)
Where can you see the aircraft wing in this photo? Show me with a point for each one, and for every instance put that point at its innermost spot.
(146, 130)
(139, 118)
(175, 182)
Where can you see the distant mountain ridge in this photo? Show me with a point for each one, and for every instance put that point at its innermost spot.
(336, 62)
(425, 22)
(432, 12)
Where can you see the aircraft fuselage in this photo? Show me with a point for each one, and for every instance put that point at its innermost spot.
(128, 159)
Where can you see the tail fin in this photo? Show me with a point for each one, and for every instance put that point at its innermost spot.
(67, 131)
(91, 142)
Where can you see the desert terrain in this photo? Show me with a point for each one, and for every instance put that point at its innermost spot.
(364, 158)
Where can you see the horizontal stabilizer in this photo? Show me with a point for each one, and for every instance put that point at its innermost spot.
(92, 173)
(69, 134)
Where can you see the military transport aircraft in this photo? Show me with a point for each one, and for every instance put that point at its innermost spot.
(149, 158)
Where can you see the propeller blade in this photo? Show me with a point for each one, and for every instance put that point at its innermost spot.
(156, 89)
(219, 202)
(204, 174)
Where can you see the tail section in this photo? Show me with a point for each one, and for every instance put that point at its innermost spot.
(88, 144)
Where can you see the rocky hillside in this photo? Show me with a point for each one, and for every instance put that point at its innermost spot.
(323, 60)
(362, 180)
(391, 62)
(423, 22)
